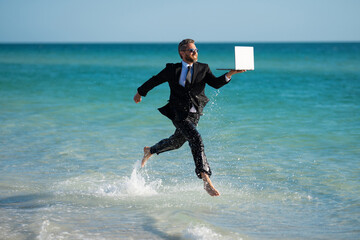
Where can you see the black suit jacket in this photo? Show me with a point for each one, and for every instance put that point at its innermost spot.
(182, 98)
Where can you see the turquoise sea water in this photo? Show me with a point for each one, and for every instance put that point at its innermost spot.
(283, 142)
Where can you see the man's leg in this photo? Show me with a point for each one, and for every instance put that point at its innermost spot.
(175, 141)
(203, 171)
(188, 129)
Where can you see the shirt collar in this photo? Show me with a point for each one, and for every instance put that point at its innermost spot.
(186, 65)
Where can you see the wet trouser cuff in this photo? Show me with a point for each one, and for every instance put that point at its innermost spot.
(199, 171)
(153, 150)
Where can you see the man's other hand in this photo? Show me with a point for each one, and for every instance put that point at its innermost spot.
(137, 97)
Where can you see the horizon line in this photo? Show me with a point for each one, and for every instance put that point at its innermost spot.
(173, 42)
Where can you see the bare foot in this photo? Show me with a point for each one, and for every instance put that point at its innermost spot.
(146, 157)
(210, 189)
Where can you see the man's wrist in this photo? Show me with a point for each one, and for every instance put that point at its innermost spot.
(227, 78)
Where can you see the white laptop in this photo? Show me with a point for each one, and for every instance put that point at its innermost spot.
(244, 59)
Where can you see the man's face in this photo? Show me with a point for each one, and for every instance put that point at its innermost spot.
(188, 55)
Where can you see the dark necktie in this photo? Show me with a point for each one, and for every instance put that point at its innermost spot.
(188, 76)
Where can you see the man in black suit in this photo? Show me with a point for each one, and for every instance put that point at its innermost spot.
(187, 82)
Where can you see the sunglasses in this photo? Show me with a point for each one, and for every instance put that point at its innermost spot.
(192, 50)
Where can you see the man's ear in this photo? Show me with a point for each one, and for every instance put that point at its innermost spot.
(181, 54)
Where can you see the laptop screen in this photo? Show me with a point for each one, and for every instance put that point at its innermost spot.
(244, 58)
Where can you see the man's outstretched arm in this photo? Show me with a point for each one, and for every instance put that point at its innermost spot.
(154, 81)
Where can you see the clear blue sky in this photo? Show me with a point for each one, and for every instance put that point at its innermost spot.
(171, 21)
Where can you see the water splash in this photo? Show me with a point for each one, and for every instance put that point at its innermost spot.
(136, 185)
(111, 185)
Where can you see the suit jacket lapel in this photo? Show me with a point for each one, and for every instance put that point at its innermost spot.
(193, 79)
(178, 72)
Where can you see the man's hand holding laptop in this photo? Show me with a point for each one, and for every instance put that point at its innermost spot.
(232, 72)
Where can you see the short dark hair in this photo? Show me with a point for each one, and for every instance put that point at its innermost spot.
(183, 44)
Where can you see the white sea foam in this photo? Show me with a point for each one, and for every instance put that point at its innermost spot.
(201, 233)
(49, 231)
(44, 234)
